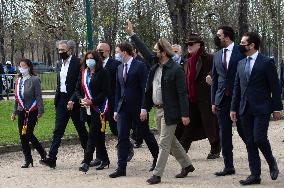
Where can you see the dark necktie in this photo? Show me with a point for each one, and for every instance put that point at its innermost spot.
(125, 72)
(225, 59)
(247, 68)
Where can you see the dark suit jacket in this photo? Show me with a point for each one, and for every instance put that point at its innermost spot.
(71, 80)
(111, 67)
(261, 91)
(99, 86)
(131, 92)
(223, 80)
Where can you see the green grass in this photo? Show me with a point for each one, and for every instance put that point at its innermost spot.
(44, 128)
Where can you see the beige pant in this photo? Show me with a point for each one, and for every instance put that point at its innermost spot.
(168, 143)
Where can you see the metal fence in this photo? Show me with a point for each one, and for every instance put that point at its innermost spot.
(48, 83)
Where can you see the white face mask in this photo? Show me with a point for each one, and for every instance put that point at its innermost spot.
(118, 57)
(175, 58)
(24, 71)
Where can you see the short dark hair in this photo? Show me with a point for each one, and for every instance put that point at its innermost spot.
(29, 63)
(253, 37)
(126, 47)
(228, 32)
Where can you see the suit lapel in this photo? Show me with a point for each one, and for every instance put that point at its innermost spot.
(70, 68)
(255, 67)
(242, 70)
(232, 59)
(220, 60)
(107, 64)
(120, 74)
(130, 70)
(198, 67)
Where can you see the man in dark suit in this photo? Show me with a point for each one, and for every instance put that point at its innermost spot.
(129, 107)
(256, 95)
(111, 66)
(223, 75)
(65, 105)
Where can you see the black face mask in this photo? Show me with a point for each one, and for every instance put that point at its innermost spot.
(102, 55)
(243, 48)
(64, 55)
(155, 58)
(217, 41)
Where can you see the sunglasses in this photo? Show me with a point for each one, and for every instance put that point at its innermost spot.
(190, 43)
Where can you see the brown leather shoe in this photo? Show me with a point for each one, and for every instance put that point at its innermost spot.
(154, 180)
(185, 171)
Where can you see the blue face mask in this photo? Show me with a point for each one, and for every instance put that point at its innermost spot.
(118, 57)
(176, 58)
(90, 63)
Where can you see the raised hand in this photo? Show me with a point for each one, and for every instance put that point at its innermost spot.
(129, 28)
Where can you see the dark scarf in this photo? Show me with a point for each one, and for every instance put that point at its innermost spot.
(191, 75)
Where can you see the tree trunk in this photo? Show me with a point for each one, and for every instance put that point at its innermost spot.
(180, 17)
(275, 32)
(2, 32)
(243, 17)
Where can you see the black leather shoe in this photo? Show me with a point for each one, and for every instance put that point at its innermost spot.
(130, 154)
(154, 180)
(213, 155)
(103, 165)
(225, 172)
(95, 162)
(118, 173)
(27, 163)
(274, 171)
(48, 162)
(84, 167)
(251, 180)
(185, 171)
(153, 165)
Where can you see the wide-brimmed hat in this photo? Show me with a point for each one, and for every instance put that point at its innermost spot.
(195, 38)
(166, 45)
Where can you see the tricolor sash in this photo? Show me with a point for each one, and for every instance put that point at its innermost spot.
(87, 91)
(20, 99)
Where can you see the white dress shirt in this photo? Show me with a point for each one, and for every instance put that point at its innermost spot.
(128, 65)
(105, 62)
(63, 75)
(228, 54)
(252, 60)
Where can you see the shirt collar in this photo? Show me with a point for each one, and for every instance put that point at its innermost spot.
(254, 56)
(68, 60)
(106, 59)
(230, 47)
(129, 61)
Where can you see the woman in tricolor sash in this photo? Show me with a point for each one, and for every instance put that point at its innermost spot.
(29, 107)
(91, 90)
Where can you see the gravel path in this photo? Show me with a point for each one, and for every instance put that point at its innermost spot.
(67, 175)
